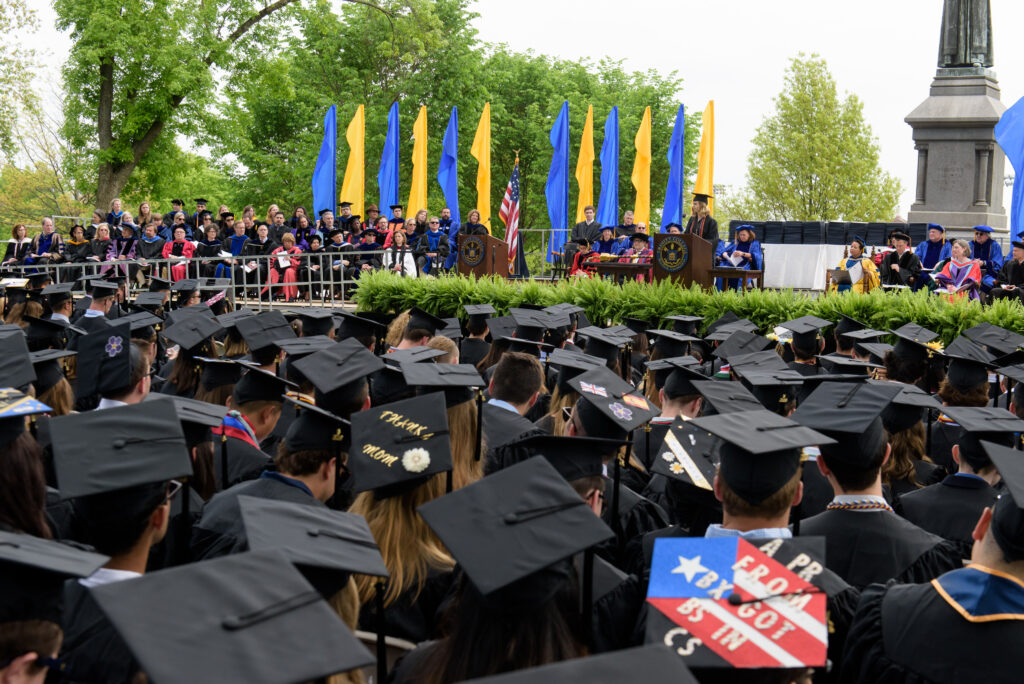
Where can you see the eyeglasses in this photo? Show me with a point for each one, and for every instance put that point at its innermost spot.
(173, 487)
(435, 222)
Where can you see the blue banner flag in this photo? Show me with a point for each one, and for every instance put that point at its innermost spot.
(557, 189)
(608, 204)
(1010, 136)
(387, 176)
(672, 210)
(325, 173)
(448, 169)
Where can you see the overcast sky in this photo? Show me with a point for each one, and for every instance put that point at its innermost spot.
(736, 52)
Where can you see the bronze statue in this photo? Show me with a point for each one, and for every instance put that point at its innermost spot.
(966, 39)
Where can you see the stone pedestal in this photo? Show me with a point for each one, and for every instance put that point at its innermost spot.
(959, 165)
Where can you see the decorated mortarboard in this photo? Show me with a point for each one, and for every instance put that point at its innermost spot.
(730, 602)
(326, 545)
(106, 358)
(1007, 515)
(338, 372)
(399, 445)
(192, 332)
(727, 397)
(517, 523)
(256, 607)
(851, 413)
(257, 384)
(135, 444)
(670, 343)
(316, 321)
(742, 342)
(264, 329)
(455, 379)
(688, 455)
(838, 363)
(15, 407)
(969, 364)
(618, 401)
(655, 664)
(421, 320)
(998, 340)
(33, 572)
(15, 363)
(573, 457)
(48, 367)
(352, 325)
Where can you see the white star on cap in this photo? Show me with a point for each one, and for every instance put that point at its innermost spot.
(689, 567)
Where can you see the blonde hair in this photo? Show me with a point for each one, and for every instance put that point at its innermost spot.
(346, 604)
(409, 547)
(702, 209)
(396, 329)
(555, 406)
(271, 212)
(102, 226)
(466, 468)
(451, 351)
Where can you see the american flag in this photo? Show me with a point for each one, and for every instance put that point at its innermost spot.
(509, 214)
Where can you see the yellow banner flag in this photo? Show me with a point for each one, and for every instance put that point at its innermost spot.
(585, 166)
(418, 189)
(481, 151)
(642, 171)
(353, 188)
(705, 183)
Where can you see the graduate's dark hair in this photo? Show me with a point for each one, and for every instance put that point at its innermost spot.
(305, 462)
(517, 377)
(855, 476)
(928, 374)
(203, 480)
(186, 372)
(908, 447)
(19, 637)
(773, 506)
(112, 522)
(23, 487)
(806, 350)
(494, 354)
(218, 395)
(482, 639)
(476, 327)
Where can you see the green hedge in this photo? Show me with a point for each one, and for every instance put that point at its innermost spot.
(607, 303)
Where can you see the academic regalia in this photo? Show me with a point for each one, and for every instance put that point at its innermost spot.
(992, 255)
(924, 474)
(688, 506)
(866, 546)
(706, 228)
(965, 276)
(245, 459)
(413, 617)
(868, 281)
(930, 253)
(92, 650)
(949, 508)
(914, 633)
(647, 445)
(501, 427)
(637, 516)
(473, 350)
(910, 267)
(945, 434)
(220, 530)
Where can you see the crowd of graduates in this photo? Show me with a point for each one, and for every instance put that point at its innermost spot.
(193, 492)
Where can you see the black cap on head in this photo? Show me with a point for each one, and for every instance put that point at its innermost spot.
(219, 372)
(688, 455)
(742, 342)
(774, 389)
(969, 364)
(670, 343)
(457, 380)
(106, 359)
(570, 364)
(398, 446)
(196, 417)
(998, 340)
(316, 429)
(851, 413)
(14, 408)
(58, 293)
(479, 313)
(685, 324)
(915, 332)
(502, 326)
(193, 331)
(875, 351)
(699, 197)
(316, 322)
(723, 332)
(654, 664)
(257, 384)
(907, 408)
(638, 325)
(411, 355)
(421, 320)
(48, 368)
(185, 285)
(102, 288)
(726, 397)
(805, 329)
(531, 324)
(159, 284)
(231, 318)
(679, 382)
(767, 360)
(39, 280)
(179, 315)
(838, 363)
(352, 325)
(339, 373)
(845, 325)
(662, 368)
(573, 457)
(512, 525)
(1007, 515)
(264, 329)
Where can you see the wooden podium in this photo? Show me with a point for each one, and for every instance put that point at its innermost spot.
(482, 255)
(683, 258)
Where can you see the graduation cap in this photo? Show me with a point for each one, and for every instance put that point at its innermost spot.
(725, 331)
(185, 313)
(760, 451)
(767, 360)
(969, 364)
(502, 326)
(40, 279)
(106, 358)
(149, 301)
(773, 388)
(679, 380)
(159, 284)
(142, 321)
(412, 355)
(916, 333)
(573, 457)
(399, 445)
(907, 408)
(876, 351)
(219, 372)
(257, 384)
(637, 325)
(316, 429)
(839, 363)
(15, 363)
(421, 320)
(264, 330)
(185, 285)
(352, 325)
(610, 404)
(57, 293)
(805, 329)
(654, 664)
(457, 380)
(530, 324)
(48, 329)
(131, 445)
(851, 413)
(299, 347)
(196, 417)
(231, 318)
(998, 340)
(452, 329)
(742, 342)
(515, 524)
(256, 608)
(193, 331)
(33, 572)
(227, 214)
(531, 347)
(48, 368)
(1007, 515)
(911, 346)
(670, 343)
(338, 373)
(685, 324)
(394, 206)
(846, 325)
(327, 546)
(479, 313)
(688, 455)
(994, 425)
(727, 397)
(863, 335)
(14, 408)
(316, 321)
(102, 288)
(570, 364)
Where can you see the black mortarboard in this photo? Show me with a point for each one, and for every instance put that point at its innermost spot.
(688, 455)
(38, 280)
(911, 347)
(299, 347)
(767, 360)
(185, 285)
(570, 364)
(196, 417)
(48, 368)
(573, 457)
(851, 413)
(863, 335)
(1007, 517)
(47, 328)
(14, 408)
(969, 364)
(143, 321)
(457, 380)
(257, 612)
(531, 347)
(106, 358)
(915, 332)
(663, 367)
(998, 340)
(742, 342)
(338, 373)
(679, 381)
(33, 572)
(621, 407)
(685, 324)
(227, 214)
(421, 320)
(192, 332)
(845, 325)
(352, 325)
(159, 284)
(501, 326)
(876, 351)
(512, 524)
(654, 664)
(727, 397)
(530, 324)
(412, 355)
(15, 363)
(452, 329)
(135, 444)
(316, 321)
(761, 450)
(806, 328)
(200, 201)
(838, 363)
(720, 330)
(219, 372)
(701, 197)
(57, 293)
(670, 343)
(264, 329)
(984, 418)
(326, 545)
(231, 318)
(257, 384)
(102, 288)
(316, 429)
(183, 314)
(394, 206)
(637, 325)
(479, 313)
(399, 445)
(907, 408)
(773, 388)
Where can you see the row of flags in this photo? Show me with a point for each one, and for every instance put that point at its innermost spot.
(556, 190)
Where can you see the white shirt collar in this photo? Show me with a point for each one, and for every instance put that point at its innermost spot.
(109, 403)
(107, 576)
(503, 404)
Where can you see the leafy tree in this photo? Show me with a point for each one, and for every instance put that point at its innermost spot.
(815, 159)
(16, 69)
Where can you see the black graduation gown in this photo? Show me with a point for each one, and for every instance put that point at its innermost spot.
(413, 619)
(870, 546)
(924, 474)
(944, 436)
(909, 634)
(636, 517)
(818, 493)
(950, 508)
(173, 549)
(910, 267)
(92, 651)
(647, 446)
(245, 462)
(685, 504)
(473, 350)
(220, 530)
(501, 427)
